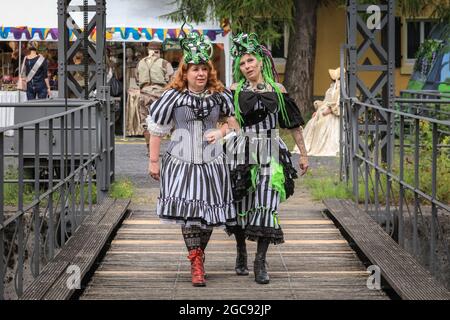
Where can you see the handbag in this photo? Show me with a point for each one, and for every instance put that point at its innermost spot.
(22, 80)
(116, 87)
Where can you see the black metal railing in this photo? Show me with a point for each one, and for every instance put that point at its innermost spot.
(397, 162)
(54, 171)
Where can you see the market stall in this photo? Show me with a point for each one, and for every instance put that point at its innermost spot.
(130, 25)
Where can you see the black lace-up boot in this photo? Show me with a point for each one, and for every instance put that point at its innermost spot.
(241, 258)
(259, 266)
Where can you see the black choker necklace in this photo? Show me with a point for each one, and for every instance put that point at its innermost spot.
(259, 86)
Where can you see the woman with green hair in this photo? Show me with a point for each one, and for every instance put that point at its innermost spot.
(262, 171)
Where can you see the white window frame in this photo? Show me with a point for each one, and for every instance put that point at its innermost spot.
(408, 63)
(280, 62)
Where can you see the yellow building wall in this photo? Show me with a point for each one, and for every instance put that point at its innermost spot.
(330, 35)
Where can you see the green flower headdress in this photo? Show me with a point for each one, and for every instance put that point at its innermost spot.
(248, 43)
(196, 48)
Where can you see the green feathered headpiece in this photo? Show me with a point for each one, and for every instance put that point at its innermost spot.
(196, 48)
(245, 43)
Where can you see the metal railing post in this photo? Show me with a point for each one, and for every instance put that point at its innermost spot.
(36, 204)
(2, 217)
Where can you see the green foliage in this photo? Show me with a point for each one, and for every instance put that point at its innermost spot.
(11, 190)
(424, 171)
(259, 16)
(263, 16)
(426, 55)
(122, 189)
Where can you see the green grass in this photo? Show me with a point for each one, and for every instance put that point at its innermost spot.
(122, 189)
(322, 185)
(11, 191)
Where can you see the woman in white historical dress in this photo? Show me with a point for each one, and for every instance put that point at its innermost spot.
(321, 133)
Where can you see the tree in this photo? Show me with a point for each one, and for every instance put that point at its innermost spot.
(299, 78)
(301, 16)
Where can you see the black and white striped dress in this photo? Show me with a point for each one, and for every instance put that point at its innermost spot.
(195, 186)
(257, 211)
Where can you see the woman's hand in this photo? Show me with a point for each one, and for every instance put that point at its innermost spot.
(213, 136)
(303, 164)
(153, 169)
(49, 93)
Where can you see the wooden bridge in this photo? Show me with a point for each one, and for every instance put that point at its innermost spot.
(148, 260)
(124, 252)
(62, 244)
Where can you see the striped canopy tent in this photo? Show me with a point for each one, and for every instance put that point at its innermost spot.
(126, 21)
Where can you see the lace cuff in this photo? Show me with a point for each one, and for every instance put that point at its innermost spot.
(159, 130)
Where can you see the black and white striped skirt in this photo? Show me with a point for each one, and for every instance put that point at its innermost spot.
(196, 194)
(257, 210)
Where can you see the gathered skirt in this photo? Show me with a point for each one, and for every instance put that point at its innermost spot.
(196, 194)
(321, 135)
(257, 197)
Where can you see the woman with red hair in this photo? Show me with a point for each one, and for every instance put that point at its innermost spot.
(194, 178)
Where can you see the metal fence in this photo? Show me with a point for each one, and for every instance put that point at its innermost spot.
(397, 162)
(54, 171)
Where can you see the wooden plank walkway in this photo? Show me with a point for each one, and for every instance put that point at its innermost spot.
(409, 279)
(148, 260)
(81, 251)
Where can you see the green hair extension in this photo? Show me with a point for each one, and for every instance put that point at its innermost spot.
(267, 76)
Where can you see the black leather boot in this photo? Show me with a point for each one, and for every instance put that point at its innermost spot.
(259, 266)
(241, 258)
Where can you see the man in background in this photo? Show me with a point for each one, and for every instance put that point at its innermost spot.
(154, 74)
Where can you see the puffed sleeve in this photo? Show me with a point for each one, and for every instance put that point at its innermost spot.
(294, 116)
(159, 120)
(335, 107)
(227, 108)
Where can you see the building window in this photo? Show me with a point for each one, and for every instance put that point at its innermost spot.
(415, 32)
(279, 49)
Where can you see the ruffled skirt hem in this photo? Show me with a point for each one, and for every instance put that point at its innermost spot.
(191, 212)
(253, 233)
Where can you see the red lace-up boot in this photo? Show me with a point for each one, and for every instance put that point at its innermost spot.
(197, 268)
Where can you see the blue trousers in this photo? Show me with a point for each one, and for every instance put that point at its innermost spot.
(36, 89)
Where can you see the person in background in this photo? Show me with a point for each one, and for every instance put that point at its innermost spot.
(321, 133)
(154, 73)
(36, 71)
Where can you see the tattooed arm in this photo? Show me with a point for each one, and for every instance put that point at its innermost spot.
(297, 134)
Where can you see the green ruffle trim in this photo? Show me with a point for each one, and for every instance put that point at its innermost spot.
(277, 179)
(275, 217)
